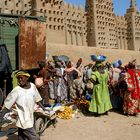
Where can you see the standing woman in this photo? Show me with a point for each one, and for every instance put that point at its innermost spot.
(44, 88)
(60, 85)
(70, 71)
(131, 104)
(100, 102)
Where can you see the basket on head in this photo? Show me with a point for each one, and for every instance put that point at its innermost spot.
(100, 58)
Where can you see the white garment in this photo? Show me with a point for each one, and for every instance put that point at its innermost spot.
(62, 70)
(25, 100)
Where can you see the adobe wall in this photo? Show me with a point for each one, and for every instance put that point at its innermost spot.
(75, 52)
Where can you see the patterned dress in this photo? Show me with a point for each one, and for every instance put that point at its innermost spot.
(131, 104)
(60, 85)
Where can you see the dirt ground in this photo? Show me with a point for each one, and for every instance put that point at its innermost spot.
(112, 127)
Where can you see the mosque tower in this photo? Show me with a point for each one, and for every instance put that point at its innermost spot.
(132, 4)
(133, 26)
(100, 24)
(89, 8)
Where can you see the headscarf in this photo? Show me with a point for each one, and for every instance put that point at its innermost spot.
(98, 64)
(117, 63)
(23, 73)
(120, 62)
(100, 58)
(131, 65)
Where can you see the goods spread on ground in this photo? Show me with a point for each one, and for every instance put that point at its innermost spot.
(62, 111)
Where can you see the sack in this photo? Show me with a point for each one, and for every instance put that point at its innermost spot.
(39, 82)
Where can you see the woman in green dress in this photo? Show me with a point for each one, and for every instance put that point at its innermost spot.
(100, 102)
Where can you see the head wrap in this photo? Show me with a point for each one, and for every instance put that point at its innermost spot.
(22, 73)
(120, 62)
(132, 63)
(100, 58)
(116, 64)
(98, 64)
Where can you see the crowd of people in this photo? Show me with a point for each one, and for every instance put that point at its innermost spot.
(105, 85)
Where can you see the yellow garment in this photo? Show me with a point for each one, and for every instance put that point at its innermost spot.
(20, 73)
(14, 78)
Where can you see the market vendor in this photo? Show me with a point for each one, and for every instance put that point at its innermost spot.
(24, 97)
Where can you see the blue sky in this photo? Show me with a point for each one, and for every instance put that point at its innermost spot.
(120, 6)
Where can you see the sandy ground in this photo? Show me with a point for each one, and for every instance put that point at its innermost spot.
(112, 127)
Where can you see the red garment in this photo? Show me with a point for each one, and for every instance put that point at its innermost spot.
(133, 84)
(131, 103)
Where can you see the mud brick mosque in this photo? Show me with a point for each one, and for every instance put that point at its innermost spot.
(96, 25)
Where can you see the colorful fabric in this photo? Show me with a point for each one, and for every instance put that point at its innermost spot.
(131, 106)
(100, 102)
(60, 85)
(117, 63)
(22, 73)
(14, 78)
(100, 58)
(133, 83)
(132, 95)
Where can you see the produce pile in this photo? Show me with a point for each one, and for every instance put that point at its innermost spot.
(65, 113)
(82, 105)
